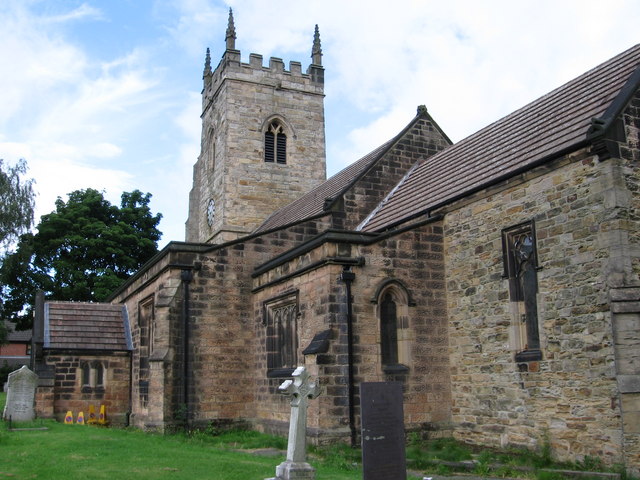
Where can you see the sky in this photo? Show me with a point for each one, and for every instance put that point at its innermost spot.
(105, 94)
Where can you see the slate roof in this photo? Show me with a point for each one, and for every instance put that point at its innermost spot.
(17, 336)
(313, 203)
(544, 129)
(86, 326)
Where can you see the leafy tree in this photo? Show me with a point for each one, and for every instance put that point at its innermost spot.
(16, 201)
(82, 251)
(16, 210)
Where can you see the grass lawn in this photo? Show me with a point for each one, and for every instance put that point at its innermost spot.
(69, 452)
(81, 452)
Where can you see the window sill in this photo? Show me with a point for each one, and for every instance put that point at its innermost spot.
(279, 372)
(395, 369)
(528, 356)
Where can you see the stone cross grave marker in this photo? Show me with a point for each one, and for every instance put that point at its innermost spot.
(301, 390)
(383, 452)
(20, 396)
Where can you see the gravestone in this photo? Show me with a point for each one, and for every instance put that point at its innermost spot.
(383, 452)
(20, 396)
(301, 390)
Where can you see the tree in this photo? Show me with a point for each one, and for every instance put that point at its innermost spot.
(16, 210)
(82, 251)
(16, 201)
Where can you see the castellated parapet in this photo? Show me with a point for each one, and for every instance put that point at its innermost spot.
(234, 188)
(274, 74)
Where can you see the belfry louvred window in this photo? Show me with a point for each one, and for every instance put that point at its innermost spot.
(275, 144)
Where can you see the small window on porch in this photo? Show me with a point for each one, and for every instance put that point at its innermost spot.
(99, 374)
(85, 369)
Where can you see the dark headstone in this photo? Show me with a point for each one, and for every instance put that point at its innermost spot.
(383, 452)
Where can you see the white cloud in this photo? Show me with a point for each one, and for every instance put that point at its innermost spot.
(133, 116)
(70, 117)
(82, 12)
(105, 150)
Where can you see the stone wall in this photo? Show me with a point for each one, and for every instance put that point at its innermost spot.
(421, 139)
(239, 100)
(68, 393)
(570, 397)
(624, 197)
(222, 346)
(413, 259)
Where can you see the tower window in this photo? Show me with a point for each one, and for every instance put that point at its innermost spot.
(275, 143)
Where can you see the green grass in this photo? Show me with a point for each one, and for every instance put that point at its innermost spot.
(72, 452)
(79, 452)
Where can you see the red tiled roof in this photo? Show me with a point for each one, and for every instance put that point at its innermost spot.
(542, 129)
(86, 326)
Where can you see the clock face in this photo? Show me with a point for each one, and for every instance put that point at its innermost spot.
(211, 212)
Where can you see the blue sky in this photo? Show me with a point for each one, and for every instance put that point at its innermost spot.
(106, 93)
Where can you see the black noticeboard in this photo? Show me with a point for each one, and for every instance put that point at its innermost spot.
(383, 453)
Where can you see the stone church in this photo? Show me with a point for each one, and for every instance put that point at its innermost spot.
(498, 278)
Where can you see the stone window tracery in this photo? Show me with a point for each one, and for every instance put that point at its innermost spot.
(275, 143)
(280, 320)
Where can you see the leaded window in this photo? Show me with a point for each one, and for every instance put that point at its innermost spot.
(281, 319)
(99, 374)
(395, 335)
(86, 374)
(388, 331)
(521, 269)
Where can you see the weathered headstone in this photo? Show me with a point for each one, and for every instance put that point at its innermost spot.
(301, 391)
(21, 396)
(383, 451)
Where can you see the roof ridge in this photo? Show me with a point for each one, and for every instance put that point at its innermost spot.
(544, 128)
(342, 180)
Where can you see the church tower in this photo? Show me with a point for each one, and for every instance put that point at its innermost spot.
(263, 141)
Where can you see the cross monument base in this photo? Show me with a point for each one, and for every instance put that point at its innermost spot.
(294, 471)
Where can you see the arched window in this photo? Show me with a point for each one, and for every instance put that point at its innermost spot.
(395, 335)
(86, 375)
(275, 143)
(389, 330)
(93, 375)
(99, 375)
